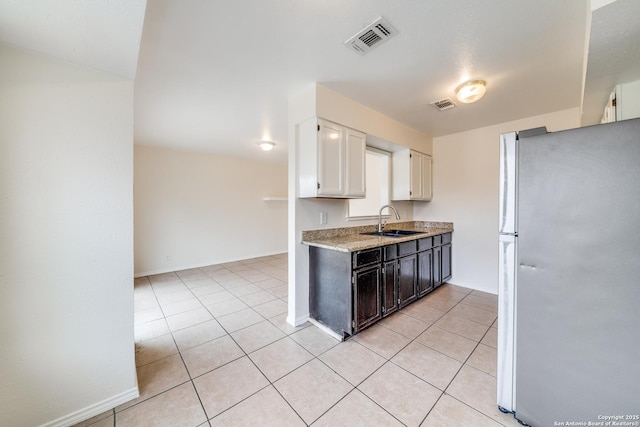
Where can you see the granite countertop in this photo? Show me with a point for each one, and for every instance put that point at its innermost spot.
(351, 239)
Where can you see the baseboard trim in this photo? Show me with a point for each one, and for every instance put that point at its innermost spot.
(190, 266)
(298, 320)
(95, 409)
(326, 330)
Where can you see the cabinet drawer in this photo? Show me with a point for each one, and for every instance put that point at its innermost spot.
(425, 244)
(367, 257)
(407, 248)
(437, 240)
(390, 252)
(446, 238)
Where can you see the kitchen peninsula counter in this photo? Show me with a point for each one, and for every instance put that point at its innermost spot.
(356, 280)
(351, 239)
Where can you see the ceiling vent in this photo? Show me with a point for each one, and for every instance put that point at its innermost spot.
(371, 36)
(444, 104)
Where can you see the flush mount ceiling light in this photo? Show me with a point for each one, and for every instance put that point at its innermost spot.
(267, 145)
(471, 91)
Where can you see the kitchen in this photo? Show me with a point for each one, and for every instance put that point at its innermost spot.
(465, 177)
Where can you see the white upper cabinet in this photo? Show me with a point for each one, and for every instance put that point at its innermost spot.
(628, 100)
(624, 103)
(356, 146)
(411, 172)
(331, 160)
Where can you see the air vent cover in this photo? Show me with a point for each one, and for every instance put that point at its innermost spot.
(444, 104)
(371, 36)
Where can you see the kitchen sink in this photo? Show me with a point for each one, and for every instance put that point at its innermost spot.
(393, 233)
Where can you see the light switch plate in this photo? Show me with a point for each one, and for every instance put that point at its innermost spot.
(323, 218)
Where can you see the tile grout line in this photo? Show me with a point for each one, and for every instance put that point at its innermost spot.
(355, 387)
(270, 383)
(181, 357)
(180, 352)
(195, 389)
(314, 356)
(412, 340)
(442, 392)
(458, 372)
(245, 355)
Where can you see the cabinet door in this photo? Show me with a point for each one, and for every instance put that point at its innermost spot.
(420, 176)
(389, 287)
(355, 148)
(425, 276)
(415, 179)
(437, 266)
(366, 299)
(445, 257)
(627, 100)
(407, 278)
(411, 176)
(426, 177)
(331, 159)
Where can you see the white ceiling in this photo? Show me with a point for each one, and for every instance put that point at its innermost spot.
(614, 54)
(104, 35)
(216, 75)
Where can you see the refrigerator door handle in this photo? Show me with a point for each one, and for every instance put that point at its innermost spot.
(507, 309)
(508, 183)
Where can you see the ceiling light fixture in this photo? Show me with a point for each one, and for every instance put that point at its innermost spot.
(471, 91)
(267, 145)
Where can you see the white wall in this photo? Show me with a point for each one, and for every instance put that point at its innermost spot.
(465, 181)
(66, 241)
(305, 213)
(196, 209)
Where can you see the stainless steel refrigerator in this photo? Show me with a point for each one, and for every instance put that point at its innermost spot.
(569, 284)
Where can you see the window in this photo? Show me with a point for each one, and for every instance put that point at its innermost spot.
(378, 170)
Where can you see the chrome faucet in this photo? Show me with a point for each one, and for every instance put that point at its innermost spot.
(380, 216)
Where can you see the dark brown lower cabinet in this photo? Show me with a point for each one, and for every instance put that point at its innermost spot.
(445, 257)
(367, 305)
(351, 291)
(407, 278)
(331, 289)
(441, 259)
(437, 266)
(389, 287)
(425, 276)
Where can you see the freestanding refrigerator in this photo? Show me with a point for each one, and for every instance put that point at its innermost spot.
(569, 283)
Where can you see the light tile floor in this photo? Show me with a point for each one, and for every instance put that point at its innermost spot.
(213, 349)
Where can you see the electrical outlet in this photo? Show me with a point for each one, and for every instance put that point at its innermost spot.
(323, 218)
(167, 258)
